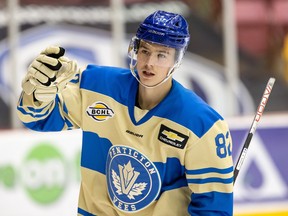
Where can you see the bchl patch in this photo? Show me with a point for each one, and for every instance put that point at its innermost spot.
(133, 180)
(99, 111)
(172, 137)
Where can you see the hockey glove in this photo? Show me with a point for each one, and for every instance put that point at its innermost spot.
(48, 74)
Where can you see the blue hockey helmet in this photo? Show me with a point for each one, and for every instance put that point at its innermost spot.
(165, 28)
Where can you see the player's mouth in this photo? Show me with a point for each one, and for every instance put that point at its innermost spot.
(147, 74)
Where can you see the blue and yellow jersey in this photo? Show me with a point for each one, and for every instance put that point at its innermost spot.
(174, 159)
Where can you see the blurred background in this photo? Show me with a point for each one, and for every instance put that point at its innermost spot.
(236, 46)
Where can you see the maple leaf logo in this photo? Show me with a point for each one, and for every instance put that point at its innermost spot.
(125, 183)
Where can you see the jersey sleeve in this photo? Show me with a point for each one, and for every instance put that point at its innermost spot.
(209, 171)
(61, 114)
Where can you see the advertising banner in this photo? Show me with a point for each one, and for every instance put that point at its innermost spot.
(39, 173)
(262, 183)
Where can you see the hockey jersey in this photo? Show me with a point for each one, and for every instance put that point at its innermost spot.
(174, 159)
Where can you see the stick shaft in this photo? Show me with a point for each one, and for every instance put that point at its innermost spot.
(253, 127)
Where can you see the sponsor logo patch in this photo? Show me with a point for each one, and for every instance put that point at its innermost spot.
(133, 180)
(172, 137)
(100, 111)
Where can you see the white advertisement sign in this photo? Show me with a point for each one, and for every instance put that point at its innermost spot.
(39, 173)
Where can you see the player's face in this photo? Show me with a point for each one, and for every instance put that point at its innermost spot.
(154, 62)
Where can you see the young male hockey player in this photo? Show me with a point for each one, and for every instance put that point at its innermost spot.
(150, 146)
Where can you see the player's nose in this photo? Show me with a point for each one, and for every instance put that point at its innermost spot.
(151, 60)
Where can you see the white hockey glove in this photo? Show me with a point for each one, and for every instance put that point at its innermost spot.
(48, 74)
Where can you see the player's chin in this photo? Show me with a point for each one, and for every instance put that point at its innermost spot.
(148, 82)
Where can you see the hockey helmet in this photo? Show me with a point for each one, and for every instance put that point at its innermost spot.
(165, 28)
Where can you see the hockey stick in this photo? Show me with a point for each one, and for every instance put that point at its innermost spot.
(253, 127)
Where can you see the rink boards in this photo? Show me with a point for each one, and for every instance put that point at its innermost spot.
(39, 172)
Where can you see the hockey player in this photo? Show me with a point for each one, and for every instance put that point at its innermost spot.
(150, 146)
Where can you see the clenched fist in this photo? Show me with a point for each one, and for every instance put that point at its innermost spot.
(48, 74)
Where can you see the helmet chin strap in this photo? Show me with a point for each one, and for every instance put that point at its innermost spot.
(169, 74)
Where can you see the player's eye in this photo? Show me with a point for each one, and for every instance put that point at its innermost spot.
(163, 56)
(144, 51)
